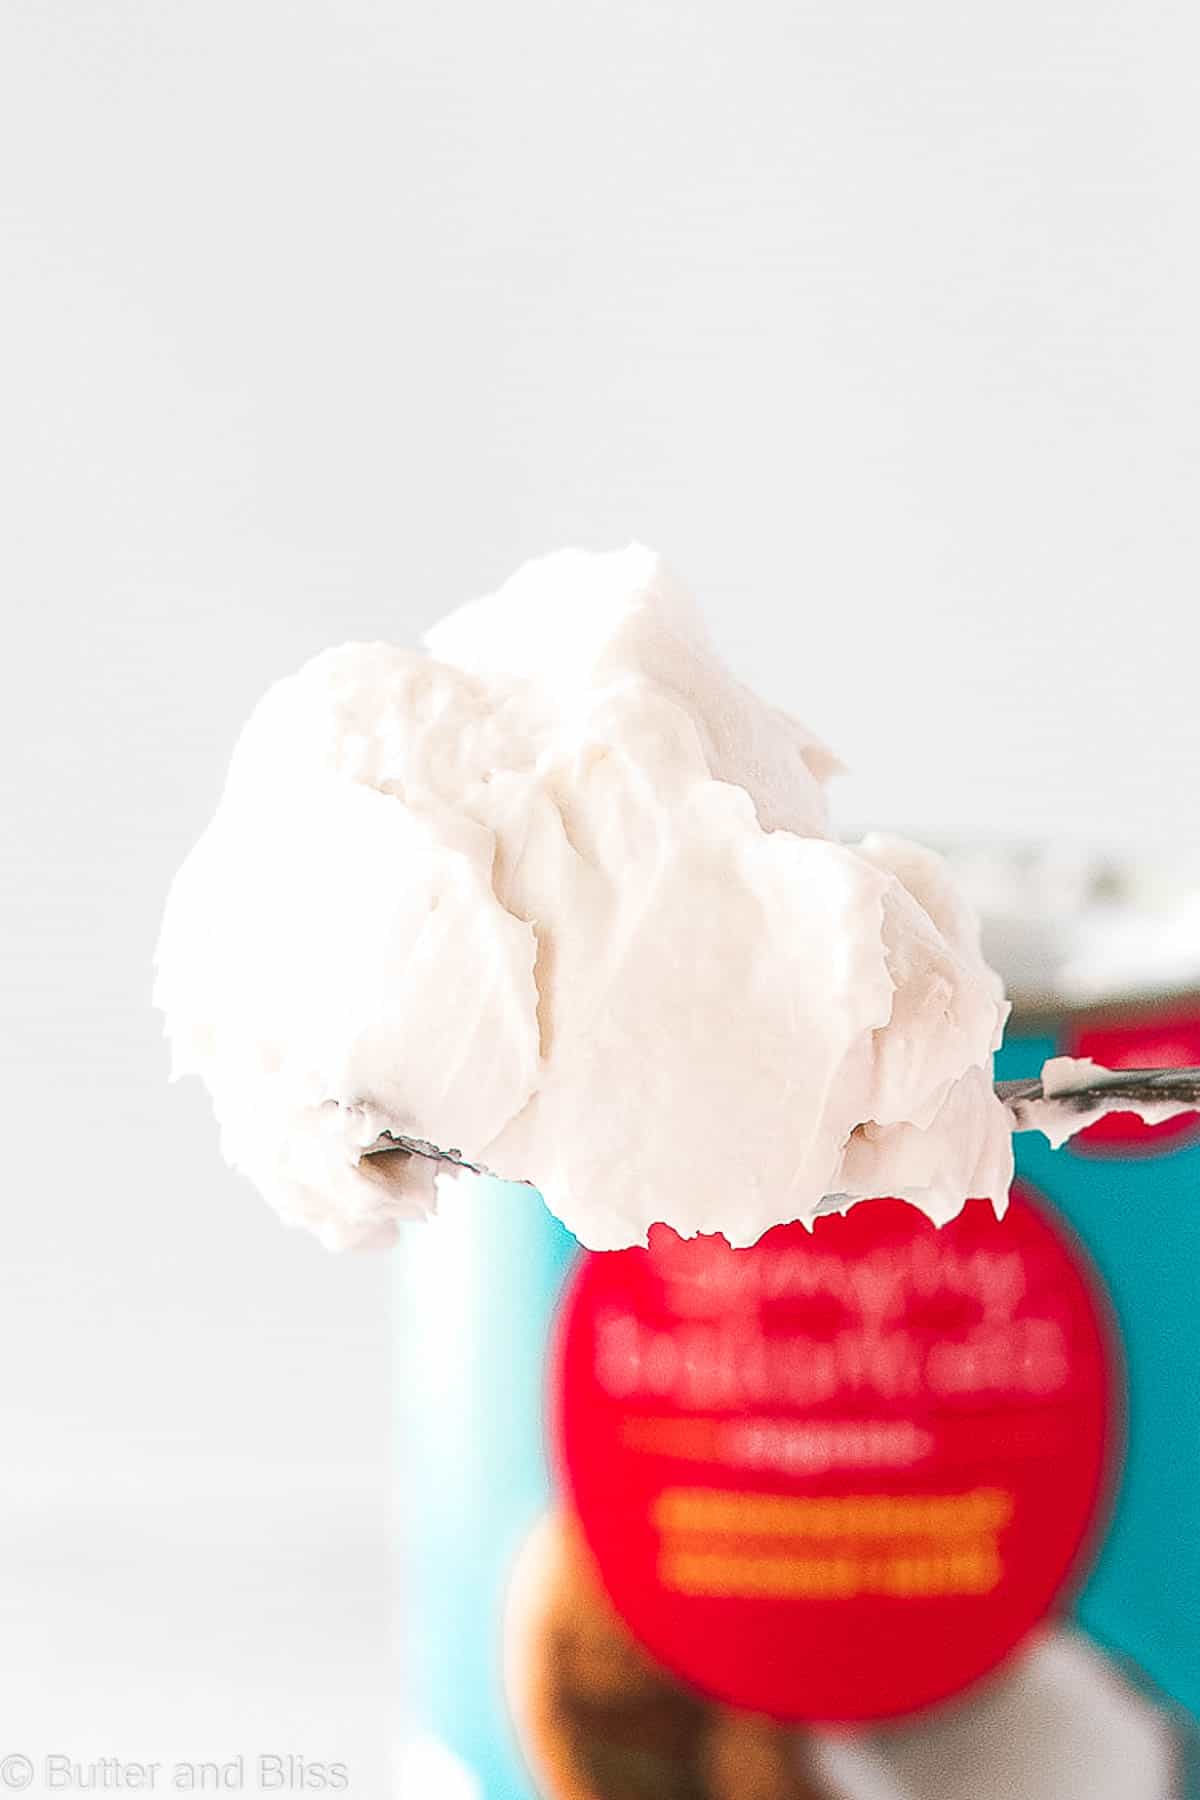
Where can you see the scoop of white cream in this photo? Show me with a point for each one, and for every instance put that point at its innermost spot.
(561, 894)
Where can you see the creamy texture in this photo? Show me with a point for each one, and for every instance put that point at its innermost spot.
(562, 894)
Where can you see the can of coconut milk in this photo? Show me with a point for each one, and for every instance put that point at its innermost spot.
(873, 1511)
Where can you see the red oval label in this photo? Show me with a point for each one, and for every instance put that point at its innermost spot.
(837, 1476)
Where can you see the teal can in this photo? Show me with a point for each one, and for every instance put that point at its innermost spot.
(477, 1297)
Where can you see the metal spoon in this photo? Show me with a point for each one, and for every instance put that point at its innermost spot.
(1117, 1090)
(1114, 1093)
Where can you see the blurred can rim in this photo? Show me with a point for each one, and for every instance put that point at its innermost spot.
(1045, 908)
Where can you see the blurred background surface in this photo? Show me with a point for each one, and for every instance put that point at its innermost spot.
(317, 318)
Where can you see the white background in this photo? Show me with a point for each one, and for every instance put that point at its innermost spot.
(319, 316)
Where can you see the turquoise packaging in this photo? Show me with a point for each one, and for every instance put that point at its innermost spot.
(478, 1293)
(1139, 1216)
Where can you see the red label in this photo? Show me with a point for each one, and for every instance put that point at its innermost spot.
(837, 1476)
(1158, 1042)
